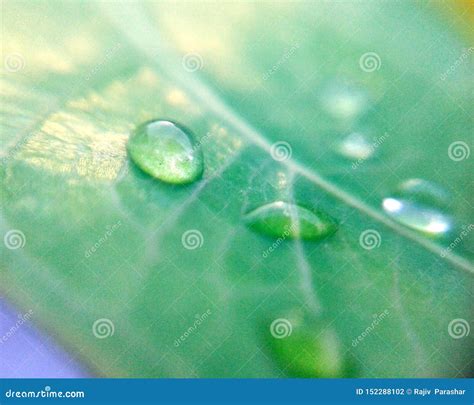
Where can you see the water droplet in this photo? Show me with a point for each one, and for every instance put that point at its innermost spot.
(308, 351)
(285, 220)
(166, 151)
(420, 205)
(356, 146)
(344, 101)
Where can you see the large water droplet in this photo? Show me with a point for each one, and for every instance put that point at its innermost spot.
(166, 151)
(285, 220)
(420, 205)
(356, 146)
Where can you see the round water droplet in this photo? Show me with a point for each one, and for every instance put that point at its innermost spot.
(285, 220)
(356, 146)
(306, 350)
(344, 101)
(420, 205)
(166, 151)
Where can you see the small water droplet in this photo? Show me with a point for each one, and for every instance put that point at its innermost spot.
(356, 146)
(308, 351)
(166, 151)
(344, 101)
(285, 220)
(420, 204)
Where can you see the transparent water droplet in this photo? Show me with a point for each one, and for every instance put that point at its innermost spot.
(344, 101)
(421, 205)
(356, 146)
(285, 220)
(166, 151)
(307, 351)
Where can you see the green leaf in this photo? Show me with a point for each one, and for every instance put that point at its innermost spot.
(105, 265)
